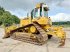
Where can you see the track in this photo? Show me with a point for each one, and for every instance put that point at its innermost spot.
(26, 39)
(41, 37)
(41, 30)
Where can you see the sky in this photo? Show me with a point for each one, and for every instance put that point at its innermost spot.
(59, 9)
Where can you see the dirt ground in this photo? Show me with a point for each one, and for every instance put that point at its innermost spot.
(10, 45)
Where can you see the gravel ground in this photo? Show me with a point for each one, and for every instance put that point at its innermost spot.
(10, 45)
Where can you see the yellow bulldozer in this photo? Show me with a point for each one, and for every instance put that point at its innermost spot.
(36, 28)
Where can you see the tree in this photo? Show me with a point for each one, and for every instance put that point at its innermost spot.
(7, 18)
(15, 19)
(1, 10)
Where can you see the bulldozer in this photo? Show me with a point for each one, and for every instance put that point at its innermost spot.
(36, 28)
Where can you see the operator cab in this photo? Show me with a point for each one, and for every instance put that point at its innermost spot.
(42, 11)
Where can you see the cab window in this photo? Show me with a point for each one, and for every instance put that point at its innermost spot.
(35, 13)
(45, 12)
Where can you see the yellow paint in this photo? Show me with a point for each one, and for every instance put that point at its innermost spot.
(45, 23)
(32, 29)
(8, 29)
(38, 5)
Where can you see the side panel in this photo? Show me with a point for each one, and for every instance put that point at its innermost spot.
(25, 21)
(43, 20)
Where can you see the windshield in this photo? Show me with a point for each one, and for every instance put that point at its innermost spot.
(36, 13)
(45, 12)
